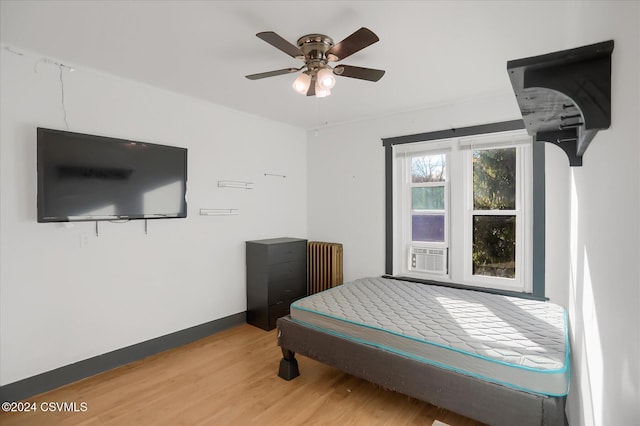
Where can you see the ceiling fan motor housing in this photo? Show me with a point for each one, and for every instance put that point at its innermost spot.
(314, 47)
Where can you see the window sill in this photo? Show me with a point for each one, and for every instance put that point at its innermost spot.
(521, 295)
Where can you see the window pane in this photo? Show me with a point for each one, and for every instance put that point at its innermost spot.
(494, 246)
(427, 198)
(427, 227)
(494, 179)
(428, 168)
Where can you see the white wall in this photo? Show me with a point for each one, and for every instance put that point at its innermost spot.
(604, 285)
(60, 302)
(592, 216)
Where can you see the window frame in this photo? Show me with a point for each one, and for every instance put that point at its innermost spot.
(522, 212)
(536, 270)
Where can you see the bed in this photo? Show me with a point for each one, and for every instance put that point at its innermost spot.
(493, 358)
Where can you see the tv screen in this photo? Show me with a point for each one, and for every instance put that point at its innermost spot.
(88, 178)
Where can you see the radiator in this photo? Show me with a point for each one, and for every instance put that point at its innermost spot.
(324, 266)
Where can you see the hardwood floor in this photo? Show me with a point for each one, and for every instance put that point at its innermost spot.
(228, 379)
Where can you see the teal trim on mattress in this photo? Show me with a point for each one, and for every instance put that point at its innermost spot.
(559, 370)
(424, 360)
(565, 369)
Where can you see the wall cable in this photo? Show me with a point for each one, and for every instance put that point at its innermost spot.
(64, 109)
(60, 70)
(15, 52)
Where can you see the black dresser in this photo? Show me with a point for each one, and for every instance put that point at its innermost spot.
(276, 276)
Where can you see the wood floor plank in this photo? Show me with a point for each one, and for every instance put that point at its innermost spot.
(229, 379)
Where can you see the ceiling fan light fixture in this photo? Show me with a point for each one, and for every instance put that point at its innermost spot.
(326, 79)
(322, 92)
(302, 83)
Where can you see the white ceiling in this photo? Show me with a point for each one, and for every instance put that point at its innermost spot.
(433, 52)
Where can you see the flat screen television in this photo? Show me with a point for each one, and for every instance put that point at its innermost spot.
(89, 178)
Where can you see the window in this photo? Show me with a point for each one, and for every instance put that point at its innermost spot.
(428, 205)
(494, 215)
(462, 210)
(498, 215)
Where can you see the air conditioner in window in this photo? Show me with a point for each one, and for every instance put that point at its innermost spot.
(431, 260)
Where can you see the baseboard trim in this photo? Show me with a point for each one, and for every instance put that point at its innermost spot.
(49, 380)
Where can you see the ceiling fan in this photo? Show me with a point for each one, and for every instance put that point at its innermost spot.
(316, 51)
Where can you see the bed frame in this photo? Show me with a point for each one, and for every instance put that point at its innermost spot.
(469, 396)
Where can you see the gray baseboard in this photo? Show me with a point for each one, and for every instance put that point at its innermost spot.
(40, 383)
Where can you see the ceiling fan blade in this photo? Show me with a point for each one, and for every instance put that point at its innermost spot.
(369, 74)
(355, 42)
(272, 73)
(280, 43)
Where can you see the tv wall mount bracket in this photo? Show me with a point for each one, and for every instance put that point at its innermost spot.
(565, 96)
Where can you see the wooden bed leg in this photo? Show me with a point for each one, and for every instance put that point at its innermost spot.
(288, 365)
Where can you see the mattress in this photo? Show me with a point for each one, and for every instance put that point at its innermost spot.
(515, 342)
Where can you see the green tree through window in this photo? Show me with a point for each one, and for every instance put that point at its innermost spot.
(494, 236)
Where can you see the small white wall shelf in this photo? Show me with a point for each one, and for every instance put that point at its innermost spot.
(235, 184)
(219, 212)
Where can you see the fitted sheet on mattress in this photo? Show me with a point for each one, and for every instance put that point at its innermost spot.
(519, 343)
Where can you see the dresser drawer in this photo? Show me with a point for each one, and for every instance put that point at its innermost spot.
(287, 271)
(287, 290)
(290, 252)
(277, 311)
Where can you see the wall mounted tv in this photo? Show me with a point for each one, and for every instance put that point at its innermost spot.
(90, 178)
